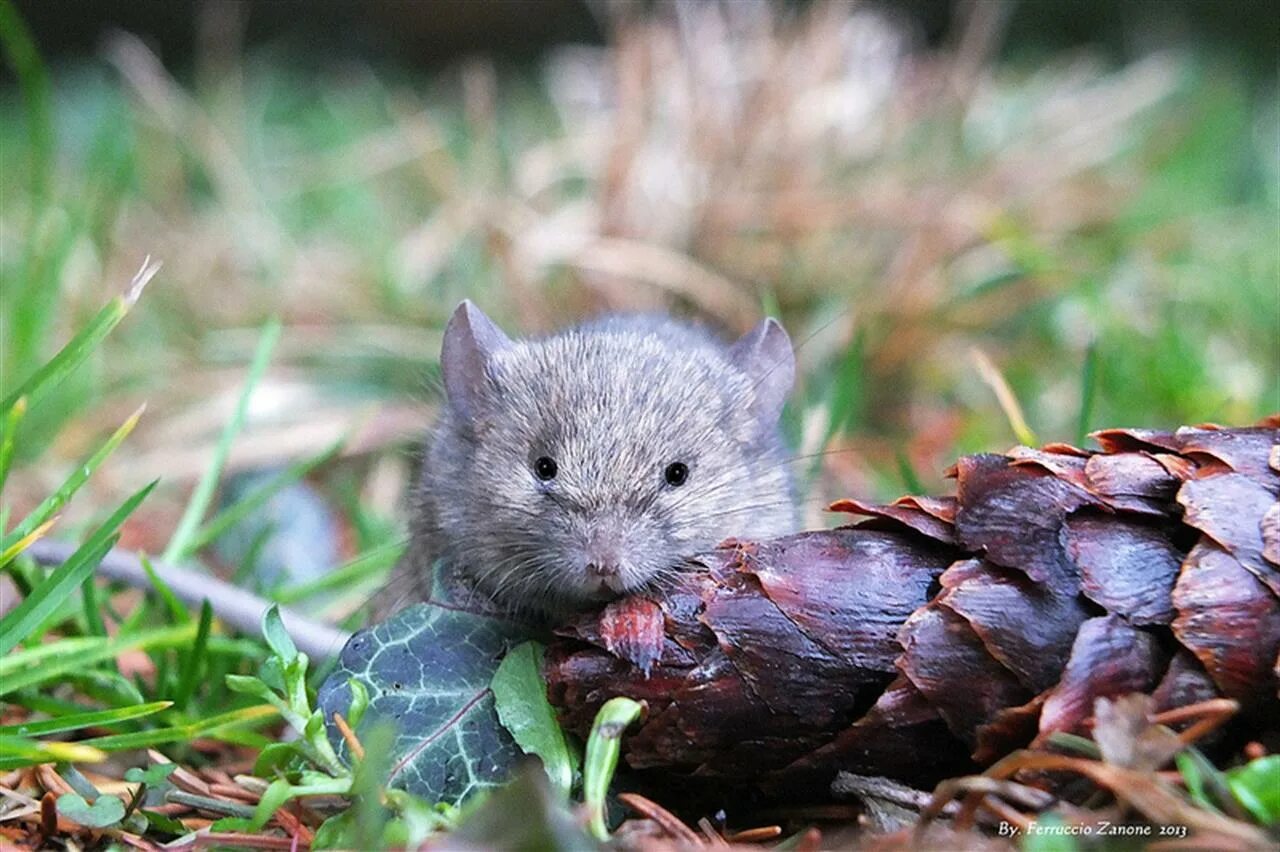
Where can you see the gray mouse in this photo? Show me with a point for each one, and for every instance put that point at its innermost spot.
(574, 468)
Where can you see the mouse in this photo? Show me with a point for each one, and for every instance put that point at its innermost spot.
(574, 468)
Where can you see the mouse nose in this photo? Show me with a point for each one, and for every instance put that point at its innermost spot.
(602, 557)
(603, 570)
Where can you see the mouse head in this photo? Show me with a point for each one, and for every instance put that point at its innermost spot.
(591, 463)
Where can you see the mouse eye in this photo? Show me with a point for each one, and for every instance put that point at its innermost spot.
(545, 468)
(676, 473)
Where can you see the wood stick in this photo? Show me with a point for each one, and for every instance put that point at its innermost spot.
(236, 606)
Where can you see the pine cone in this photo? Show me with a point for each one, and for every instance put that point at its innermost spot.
(940, 634)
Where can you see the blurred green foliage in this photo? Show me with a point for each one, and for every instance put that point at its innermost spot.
(360, 204)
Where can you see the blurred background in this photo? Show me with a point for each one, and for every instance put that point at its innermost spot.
(982, 222)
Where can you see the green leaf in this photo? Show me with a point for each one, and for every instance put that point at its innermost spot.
(603, 747)
(427, 671)
(78, 721)
(180, 545)
(1194, 780)
(163, 823)
(280, 791)
(520, 698)
(337, 832)
(277, 637)
(154, 775)
(249, 685)
(1051, 836)
(106, 810)
(1256, 785)
(274, 758)
(367, 779)
(1210, 780)
(17, 625)
(359, 702)
(525, 814)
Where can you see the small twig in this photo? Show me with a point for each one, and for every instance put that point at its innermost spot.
(208, 803)
(713, 836)
(353, 743)
(666, 820)
(293, 825)
(172, 809)
(1212, 714)
(234, 791)
(21, 798)
(48, 816)
(236, 606)
(252, 841)
(51, 781)
(755, 835)
(810, 841)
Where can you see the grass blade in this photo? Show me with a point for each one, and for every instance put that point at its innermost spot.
(1088, 390)
(992, 377)
(245, 716)
(12, 418)
(907, 471)
(71, 655)
(84, 342)
(256, 498)
(365, 565)
(73, 483)
(177, 611)
(17, 625)
(194, 659)
(214, 725)
(92, 613)
(180, 545)
(28, 617)
(33, 80)
(17, 751)
(79, 721)
(11, 551)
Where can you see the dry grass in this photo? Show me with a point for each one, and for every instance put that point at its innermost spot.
(897, 207)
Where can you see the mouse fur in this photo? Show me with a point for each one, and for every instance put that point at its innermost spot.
(614, 403)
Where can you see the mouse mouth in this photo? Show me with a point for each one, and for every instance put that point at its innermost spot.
(604, 588)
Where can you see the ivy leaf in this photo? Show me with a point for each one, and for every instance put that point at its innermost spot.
(521, 702)
(106, 810)
(427, 672)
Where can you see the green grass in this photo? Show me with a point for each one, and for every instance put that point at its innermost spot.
(317, 230)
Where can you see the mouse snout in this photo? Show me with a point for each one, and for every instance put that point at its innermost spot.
(603, 559)
(603, 569)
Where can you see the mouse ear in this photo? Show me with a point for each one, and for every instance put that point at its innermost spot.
(764, 355)
(470, 339)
